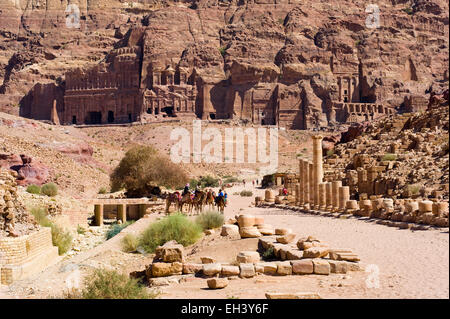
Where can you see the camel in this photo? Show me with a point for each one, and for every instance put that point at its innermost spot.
(220, 203)
(199, 200)
(209, 200)
(173, 198)
(186, 199)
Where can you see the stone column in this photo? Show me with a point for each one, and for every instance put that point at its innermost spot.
(329, 196)
(142, 209)
(98, 214)
(344, 196)
(317, 167)
(301, 185)
(311, 185)
(335, 194)
(322, 196)
(122, 212)
(297, 194)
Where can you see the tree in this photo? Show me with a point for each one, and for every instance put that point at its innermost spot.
(142, 170)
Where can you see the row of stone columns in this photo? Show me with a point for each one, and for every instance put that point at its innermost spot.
(313, 193)
(121, 213)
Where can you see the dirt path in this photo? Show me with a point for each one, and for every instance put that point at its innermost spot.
(411, 264)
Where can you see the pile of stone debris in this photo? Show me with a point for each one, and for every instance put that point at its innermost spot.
(14, 219)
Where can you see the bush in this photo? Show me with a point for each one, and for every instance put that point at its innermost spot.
(49, 189)
(130, 243)
(230, 179)
(117, 228)
(33, 189)
(40, 215)
(389, 157)
(210, 219)
(204, 181)
(80, 229)
(142, 168)
(268, 254)
(109, 284)
(61, 239)
(246, 193)
(174, 227)
(102, 190)
(330, 152)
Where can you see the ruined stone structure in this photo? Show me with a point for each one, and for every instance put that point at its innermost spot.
(332, 193)
(131, 85)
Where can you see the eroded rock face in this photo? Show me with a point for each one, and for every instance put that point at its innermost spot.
(299, 64)
(28, 170)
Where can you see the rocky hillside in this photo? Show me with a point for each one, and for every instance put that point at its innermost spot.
(243, 41)
(406, 155)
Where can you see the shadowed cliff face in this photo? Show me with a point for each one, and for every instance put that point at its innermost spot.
(296, 45)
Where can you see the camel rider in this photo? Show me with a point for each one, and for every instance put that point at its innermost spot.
(186, 189)
(225, 196)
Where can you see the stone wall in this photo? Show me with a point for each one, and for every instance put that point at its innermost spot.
(23, 256)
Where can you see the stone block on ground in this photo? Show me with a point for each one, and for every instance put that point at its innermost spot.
(338, 266)
(248, 257)
(212, 269)
(228, 270)
(282, 231)
(207, 260)
(321, 266)
(297, 295)
(192, 268)
(286, 239)
(284, 268)
(294, 254)
(302, 267)
(217, 283)
(230, 230)
(247, 270)
(246, 221)
(265, 243)
(269, 268)
(170, 252)
(249, 232)
(315, 252)
(166, 269)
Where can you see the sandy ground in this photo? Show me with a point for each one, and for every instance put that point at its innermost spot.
(405, 263)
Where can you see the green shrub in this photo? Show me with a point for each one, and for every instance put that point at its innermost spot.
(222, 51)
(174, 227)
(61, 239)
(330, 152)
(40, 215)
(408, 10)
(414, 189)
(210, 219)
(130, 243)
(246, 193)
(268, 254)
(109, 284)
(117, 228)
(49, 189)
(33, 189)
(80, 230)
(389, 157)
(230, 179)
(102, 190)
(142, 169)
